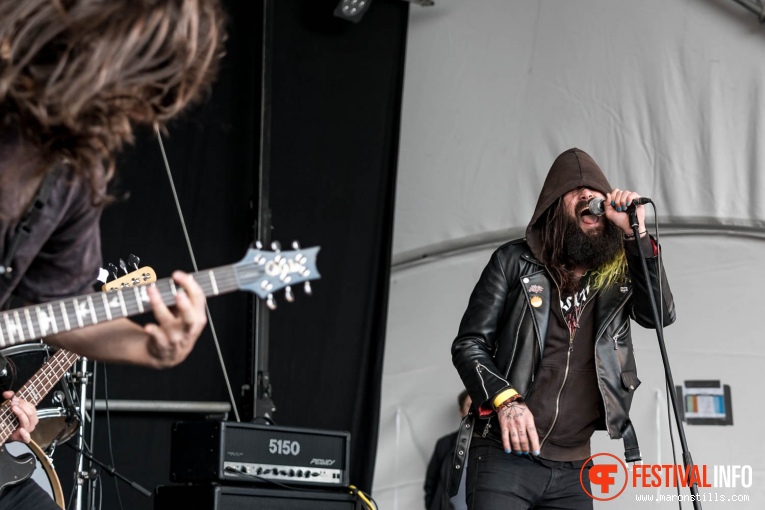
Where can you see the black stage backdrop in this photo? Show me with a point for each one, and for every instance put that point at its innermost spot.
(335, 104)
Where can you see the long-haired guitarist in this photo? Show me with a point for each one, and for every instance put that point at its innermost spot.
(76, 77)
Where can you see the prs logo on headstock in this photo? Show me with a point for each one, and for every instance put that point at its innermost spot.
(280, 269)
(283, 268)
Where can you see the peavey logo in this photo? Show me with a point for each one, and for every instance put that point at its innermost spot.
(323, 462)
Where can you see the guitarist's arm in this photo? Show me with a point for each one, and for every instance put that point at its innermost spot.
(161, 345)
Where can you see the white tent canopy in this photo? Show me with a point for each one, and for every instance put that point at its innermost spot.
(665, 95)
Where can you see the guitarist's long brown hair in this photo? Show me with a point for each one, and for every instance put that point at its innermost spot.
(77, 75)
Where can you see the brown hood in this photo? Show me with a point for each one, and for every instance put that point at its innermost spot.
(572, 169)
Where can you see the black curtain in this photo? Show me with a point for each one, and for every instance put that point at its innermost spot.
(335, 103)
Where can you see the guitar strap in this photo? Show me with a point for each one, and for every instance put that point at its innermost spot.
(31, 216)
(459, 457)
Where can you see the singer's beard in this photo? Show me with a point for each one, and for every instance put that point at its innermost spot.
(590, 250)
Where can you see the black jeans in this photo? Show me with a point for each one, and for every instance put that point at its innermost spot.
(26, 496)
(504, 481)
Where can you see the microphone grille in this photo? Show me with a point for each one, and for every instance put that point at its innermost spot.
(596, 206)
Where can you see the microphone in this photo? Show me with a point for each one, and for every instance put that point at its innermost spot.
(597, 207)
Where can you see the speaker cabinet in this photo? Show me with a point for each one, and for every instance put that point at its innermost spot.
(221, 497)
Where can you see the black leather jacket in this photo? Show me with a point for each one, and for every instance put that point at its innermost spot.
(501, 337)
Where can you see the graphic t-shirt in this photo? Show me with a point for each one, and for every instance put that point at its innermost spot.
(572, 305)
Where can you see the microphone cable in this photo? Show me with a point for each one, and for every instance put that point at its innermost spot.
(194, 264)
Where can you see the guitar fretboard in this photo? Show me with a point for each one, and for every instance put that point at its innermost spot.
(35, 389)
(259, 272)
(25, 324)
(37, 321)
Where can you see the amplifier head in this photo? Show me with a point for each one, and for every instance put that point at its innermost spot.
(248, 452)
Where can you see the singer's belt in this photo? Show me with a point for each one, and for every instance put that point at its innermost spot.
(465, 433)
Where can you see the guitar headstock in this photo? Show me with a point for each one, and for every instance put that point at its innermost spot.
(265, 272)
(139, 276)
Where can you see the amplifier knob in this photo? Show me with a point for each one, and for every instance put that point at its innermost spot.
(292, 472)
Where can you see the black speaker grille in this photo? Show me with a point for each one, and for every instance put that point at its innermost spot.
(217, 497)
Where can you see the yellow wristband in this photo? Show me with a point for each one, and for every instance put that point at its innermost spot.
(499, 399)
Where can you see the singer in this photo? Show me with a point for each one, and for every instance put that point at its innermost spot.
(544, 347)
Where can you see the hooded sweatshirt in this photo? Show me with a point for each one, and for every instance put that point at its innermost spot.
(565, 399)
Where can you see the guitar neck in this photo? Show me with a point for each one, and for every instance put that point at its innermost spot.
(259, 271)
(37, 321)
(35, 389)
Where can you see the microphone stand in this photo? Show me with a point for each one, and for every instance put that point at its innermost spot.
(82, 378)
(687, 460)
(112, 471)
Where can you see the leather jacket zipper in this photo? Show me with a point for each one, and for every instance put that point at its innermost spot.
(595, 347)
(610, 319)
(478, 368)
(619, 333)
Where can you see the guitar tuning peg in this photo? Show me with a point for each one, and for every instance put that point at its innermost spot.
(295, 245)
(271, 302)
(276, 246)
(123, 266)
(112, 270)
(258, 245)
(103, 275)
(288, 295)
(101, 279)
(307, 288)
(133, 261)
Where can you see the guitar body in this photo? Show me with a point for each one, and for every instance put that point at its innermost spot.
(14, 470)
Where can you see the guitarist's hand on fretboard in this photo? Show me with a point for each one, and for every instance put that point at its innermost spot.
(173, 337)
(25, 413)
